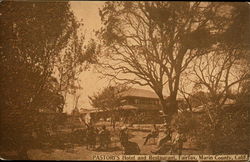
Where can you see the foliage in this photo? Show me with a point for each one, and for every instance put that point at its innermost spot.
(108, 99)
(76, 58)
(33, 36)
(185, 122)
(231, 134)
(244, 95)
(50, 98)
(195, 99)
(237, 33)
(223, 75)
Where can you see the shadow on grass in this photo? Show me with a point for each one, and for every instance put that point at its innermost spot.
(51, 147)
(110, 149)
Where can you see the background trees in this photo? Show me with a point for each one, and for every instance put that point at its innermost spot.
(110, 100)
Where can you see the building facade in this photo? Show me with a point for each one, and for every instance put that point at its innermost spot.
(140, 106)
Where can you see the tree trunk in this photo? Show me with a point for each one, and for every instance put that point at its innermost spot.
(174, 86)
(172, 108)
(169, 106)
(163, 104)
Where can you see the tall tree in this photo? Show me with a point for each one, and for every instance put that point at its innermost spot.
(222, 71)
(224, 74)
(219, 74)
(76, 58)
(152, 43)
(32, 37)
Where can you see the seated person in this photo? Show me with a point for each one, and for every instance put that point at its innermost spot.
(131, 148)
(123, 135)
(91, 137)
(165, 138)
(164, 143)
(178, 141)
(153, 134)
(104, 136)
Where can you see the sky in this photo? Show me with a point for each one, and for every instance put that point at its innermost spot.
(88, 13)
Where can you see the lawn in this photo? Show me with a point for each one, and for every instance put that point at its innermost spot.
(64, 146)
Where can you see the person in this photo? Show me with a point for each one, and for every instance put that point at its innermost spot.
(182, 139)
(165, 138)
(174, 141)
(177, 142)
(164, 143)
(104, 136)
(130, 148)
(123, 135)
(91, 137)
(153, 134)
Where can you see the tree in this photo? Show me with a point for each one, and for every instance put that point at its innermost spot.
(219, 74)
(223, 74)
(109, 100)
(50, 98)
(194, 99)
(76, 58)
(152, 43)
(237, 37)
(32, 37)
(224, 68)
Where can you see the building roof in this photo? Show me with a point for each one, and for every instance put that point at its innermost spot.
(136, 92)
(128, 107)
(140, 107)
(202, 108)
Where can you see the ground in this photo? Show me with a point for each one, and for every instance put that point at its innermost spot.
(70, 151)
(77, 152)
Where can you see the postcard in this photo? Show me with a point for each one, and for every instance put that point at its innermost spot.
(124, 80)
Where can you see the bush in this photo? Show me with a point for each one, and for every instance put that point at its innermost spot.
(230, 134)
(185, 122)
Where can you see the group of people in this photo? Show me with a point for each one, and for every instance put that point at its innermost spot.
(171, 141)
(93, 134)
(104, 138)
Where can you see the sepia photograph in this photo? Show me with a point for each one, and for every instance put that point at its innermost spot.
(124, 80)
